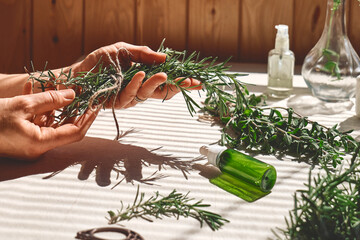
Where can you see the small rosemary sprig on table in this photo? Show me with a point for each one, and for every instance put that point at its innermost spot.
(173, 205)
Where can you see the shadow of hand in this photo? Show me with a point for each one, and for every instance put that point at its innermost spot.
(103, 156)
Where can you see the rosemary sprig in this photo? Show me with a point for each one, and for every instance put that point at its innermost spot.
(273, 132)
(173, 205)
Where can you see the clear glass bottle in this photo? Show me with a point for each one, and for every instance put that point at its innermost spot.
(242, 175)
(331, 67)
(281, 63)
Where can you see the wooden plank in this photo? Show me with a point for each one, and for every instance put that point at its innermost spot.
(107, 22)
(354, 26)
(214, 27)
(15, 35)
(258, 20)
(159, 19)
(309, 21)
(57, 32)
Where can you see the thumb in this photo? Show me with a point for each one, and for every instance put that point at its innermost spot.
(52, 100)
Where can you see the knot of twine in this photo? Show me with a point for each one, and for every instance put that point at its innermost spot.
(117, 77)
(118, 80)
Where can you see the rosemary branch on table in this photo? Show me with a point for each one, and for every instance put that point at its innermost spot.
(173, 205)
(247, 124)
(329, 207)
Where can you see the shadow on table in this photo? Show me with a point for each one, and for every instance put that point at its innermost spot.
(304, 103)
(352, 123)
(308, 105)
(99, 155)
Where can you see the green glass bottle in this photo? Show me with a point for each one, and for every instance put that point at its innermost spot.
(242, 174)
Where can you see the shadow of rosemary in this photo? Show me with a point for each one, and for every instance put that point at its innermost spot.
(101, 156)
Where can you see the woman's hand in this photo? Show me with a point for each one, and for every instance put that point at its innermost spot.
(26, 124)
(136, 91)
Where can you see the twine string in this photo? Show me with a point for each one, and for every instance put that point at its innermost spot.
(118, 80)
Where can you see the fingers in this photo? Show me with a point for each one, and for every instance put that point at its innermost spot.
(129, 92)
(142, 54)
(168, 91)
(27, 89)
(153, 87)
(49, 101)
(68, 133)
(44, 119)
(195, 84)
(147, 89)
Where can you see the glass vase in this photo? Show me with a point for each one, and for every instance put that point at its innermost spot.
(330, 69)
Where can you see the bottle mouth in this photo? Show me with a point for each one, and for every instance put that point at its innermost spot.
(268, 180)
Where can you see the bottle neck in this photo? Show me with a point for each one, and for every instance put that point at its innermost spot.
(335, 24)
(218, 157)
(282, 44)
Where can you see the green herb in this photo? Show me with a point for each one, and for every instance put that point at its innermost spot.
(329, 207)
(173, 205)
(331, 66)
(336, 5)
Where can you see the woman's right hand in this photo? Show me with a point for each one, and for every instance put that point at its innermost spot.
(26, 124)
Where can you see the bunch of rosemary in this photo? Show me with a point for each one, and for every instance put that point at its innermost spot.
(177, 64)
(100, 86)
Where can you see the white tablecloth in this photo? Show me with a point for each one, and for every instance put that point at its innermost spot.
(71, 188)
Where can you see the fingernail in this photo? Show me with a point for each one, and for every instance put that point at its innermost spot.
(68, 94)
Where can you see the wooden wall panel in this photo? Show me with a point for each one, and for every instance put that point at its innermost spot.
(214, 27)
(107, 22)
(258, 20)
(354, 25)
(15, 35)
(159, 19)
(309, 20)
(57, 32)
